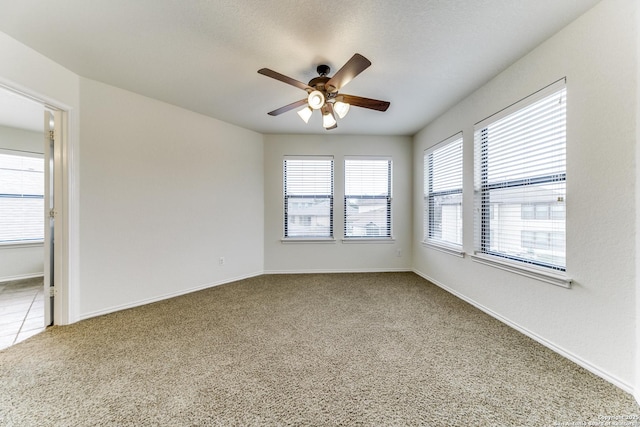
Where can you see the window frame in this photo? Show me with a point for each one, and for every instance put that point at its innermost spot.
(546, 271)
(429, 196)
(287, 197)
(388, 197)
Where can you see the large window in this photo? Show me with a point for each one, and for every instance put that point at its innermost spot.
(521, 181)
(308, 197)
(21, 198)
(367, 198)
(443, 193)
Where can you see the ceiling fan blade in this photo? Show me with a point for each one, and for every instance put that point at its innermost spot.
(352, 68)
(372, 104)
(288, 80)
(288, 107)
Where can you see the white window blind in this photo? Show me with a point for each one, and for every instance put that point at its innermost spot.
(520, 180)
(308, 197)
(443, 193)
(21, 198)
(367, 198)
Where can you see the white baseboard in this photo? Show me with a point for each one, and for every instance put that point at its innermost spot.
(157, 298)
(356, 270)
(561, 351)
(21, 277)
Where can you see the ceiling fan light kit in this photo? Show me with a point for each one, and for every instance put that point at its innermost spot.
(316, 99)
(305, 114)
(340, 107)
(322, 93)
(328, 119)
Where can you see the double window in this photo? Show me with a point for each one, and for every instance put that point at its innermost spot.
(309, 193)
(520, 182)
(443, 193)
(21, 198)
(367, 198)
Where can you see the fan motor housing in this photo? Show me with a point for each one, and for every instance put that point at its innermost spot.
(319, 82)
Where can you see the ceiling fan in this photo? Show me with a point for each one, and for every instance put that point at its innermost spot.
(322, 92)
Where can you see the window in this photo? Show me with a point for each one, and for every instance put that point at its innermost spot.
(543, 211)
(443, 193)
(308, 197)
(367, 198)
(520, 181)
(21, 198)
(542, 240)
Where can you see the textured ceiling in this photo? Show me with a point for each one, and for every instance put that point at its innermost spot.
(204, 55)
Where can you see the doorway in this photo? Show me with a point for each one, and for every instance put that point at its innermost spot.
(27, 215)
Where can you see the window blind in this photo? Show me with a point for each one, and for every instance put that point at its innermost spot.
(520, 181)
(308, 197)
(367, 198)
(443, 193)
(21, 198)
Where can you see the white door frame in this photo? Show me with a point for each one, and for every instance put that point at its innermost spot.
(65, 309)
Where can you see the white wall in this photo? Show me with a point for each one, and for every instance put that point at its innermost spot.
(21, 139)
(637, 183)
(165, 192)
(338, 256)
(594, 322)
(21, 261)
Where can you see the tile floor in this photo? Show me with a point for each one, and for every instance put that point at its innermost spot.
(21, 310)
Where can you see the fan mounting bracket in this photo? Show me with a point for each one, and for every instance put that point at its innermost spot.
(323, 70)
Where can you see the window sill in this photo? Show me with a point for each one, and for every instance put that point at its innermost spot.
(557, 279)
(451, 250)
(368, 240)
(307, 240)
(12, 245)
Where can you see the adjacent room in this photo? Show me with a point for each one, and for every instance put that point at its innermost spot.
(22, 219)
(450, 239)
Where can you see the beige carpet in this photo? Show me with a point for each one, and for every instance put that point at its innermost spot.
(320, 350)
